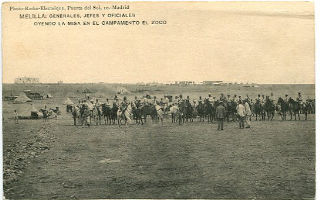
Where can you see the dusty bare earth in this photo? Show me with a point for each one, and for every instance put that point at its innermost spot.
(272, 160)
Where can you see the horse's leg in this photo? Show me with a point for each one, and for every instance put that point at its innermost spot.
(305, 116)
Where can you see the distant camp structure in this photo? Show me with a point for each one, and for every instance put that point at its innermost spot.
(33, 95)
(122, 90)
(87, 91)
(22, 98)
(10, 98)
(26, 80)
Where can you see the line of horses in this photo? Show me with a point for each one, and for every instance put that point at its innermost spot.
(185, 111)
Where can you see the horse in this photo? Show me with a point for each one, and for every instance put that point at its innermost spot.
(305, 108)
(257, 110)
(209, 110)
(150, 110)
(189, 111)
(85, 114)
(106, 113)
(160, 113)
(282, 108)
(269, 108)
(96, 115)
(194, 111)
(75, 114)
(137, 113)
(114, 111)
(231, 108)
(182, 117)
(121, 118)
(201, 111)
(294, 108)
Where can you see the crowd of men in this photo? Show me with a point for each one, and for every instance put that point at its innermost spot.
(243, 108)
(166, 101)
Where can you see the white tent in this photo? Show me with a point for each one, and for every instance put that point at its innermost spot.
(26, 111)
(122, 90)
(68, 102)
(22, 98)
(49, 95)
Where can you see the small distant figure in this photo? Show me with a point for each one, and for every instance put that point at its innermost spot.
(220, 114)
(16, 117)
(241, 113)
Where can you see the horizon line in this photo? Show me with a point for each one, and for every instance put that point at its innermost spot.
(164, 83)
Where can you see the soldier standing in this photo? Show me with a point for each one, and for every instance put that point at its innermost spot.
(220, 114)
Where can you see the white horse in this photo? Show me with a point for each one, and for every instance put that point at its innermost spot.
(75, 114)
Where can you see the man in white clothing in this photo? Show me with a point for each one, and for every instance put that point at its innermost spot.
(248, 114)
(241, 114)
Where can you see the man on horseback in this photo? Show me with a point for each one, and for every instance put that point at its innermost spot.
(300, 99)
(228, 98)
(200, 100)
(222, 97)
(210, 99)
(271, 98)
(107, 104)
(259, 99)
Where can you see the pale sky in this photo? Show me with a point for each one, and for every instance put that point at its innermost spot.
(261, 42)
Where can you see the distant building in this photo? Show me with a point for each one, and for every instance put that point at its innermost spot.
(184, 82)
(27, 80)
(212, 82)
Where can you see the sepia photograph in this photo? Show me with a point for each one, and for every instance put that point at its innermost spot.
(158, 100)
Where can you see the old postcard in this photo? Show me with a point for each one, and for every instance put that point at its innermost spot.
(158, 100)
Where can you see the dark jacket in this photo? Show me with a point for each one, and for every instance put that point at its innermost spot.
(220, 112)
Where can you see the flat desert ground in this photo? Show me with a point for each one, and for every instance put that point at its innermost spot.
(54, 159)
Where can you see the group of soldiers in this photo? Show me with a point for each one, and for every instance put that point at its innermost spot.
(167, 101)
